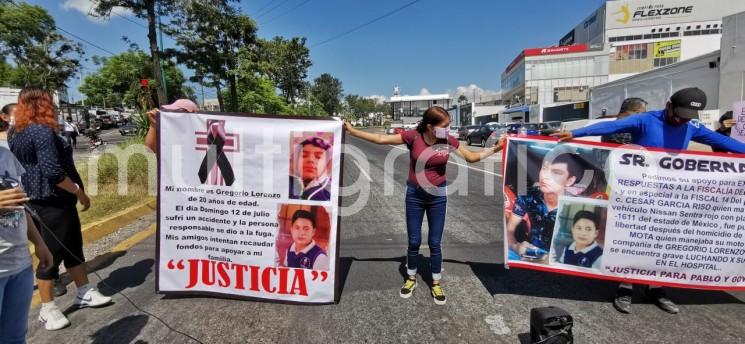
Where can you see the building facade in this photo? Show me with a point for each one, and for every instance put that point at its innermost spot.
(556, 75)
(408, 110)
(620, 39)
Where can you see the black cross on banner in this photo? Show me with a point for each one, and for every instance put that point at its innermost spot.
(215, 164)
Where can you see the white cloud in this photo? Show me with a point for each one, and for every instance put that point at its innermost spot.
(86, 7)
(378, 98)
(471, 90)
(424, 92)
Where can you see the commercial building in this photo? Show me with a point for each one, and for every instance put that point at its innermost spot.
(618, 40)
(555, 75)
(720, 74)
(408, 110)
(475, 113)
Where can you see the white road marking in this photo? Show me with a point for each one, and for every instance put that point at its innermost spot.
(497, 325)
(459, 164)
(364, 173)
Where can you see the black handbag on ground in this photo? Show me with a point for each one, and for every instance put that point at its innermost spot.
(550, 325)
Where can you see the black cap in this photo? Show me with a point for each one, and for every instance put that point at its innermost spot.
(688, 102)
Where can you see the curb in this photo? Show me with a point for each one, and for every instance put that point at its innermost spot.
(101, 228)
(125, 245)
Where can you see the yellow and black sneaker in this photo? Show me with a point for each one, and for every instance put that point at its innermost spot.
(438, 294)
(408, 287)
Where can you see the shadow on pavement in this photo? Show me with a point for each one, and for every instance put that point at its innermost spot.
(124, 330)
(96, 264)
(127, 276)
(498, 280)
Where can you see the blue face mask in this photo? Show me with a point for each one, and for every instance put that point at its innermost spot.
(441, 133)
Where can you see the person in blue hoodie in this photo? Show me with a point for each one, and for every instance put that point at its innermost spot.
(673, 127)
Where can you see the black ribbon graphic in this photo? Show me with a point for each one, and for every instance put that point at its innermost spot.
(216, 155)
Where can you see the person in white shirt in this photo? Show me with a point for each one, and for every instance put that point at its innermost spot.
(71, 132)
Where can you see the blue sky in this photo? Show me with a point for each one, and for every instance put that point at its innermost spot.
(438, 45)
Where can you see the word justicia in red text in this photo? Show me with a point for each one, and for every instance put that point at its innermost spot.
(210, 273)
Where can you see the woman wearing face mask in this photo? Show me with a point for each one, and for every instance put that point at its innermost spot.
(429, 146)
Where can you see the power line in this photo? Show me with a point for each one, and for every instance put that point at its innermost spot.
(75, 36)
(265, 6)
(130, 20)
(286, 12)
(86, 41)
(365, 24)
(272, 9)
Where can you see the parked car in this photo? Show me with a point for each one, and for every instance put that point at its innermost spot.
(128, 129)
(453, 131)
(548, 128)
(106, 121)
(465, 130)
(481, 134)
(394, 131)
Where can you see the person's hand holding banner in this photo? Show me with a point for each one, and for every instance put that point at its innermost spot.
(563, 135)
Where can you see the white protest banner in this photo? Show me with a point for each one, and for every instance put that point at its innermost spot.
(625, 213)
(248, 206)
(738, 115)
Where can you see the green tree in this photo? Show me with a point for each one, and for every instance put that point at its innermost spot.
(328, 90)
(359, 106)
(258, 96)
(117, 80)
(286, 62)
(211, 35)
(41, 56)
(151, 11)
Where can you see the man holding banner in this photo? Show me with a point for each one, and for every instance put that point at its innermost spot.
(671, 128)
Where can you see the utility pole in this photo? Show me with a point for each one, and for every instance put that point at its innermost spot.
(201, 85)
(162, 73)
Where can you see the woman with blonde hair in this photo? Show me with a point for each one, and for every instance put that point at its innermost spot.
(54, 187)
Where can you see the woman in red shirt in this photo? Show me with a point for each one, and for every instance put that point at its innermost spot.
(429, 146)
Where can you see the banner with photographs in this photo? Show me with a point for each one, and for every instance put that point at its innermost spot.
(625, 213)
(248, 206)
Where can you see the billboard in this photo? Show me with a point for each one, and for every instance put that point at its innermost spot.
(667, 49)
(567, 49)
(623, 14)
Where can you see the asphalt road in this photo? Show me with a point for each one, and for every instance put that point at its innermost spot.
(486, 303)
(83, 149)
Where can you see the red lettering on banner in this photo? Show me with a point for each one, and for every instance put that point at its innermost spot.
(239, 269)
(299, 284)
(266, 279)
(283, 280)
(222, 270)
(272, 280)
(254, 278)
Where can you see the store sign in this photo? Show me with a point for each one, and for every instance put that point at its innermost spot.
(567, 49)
(624, 14)
(667, 49)
(568, 39)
